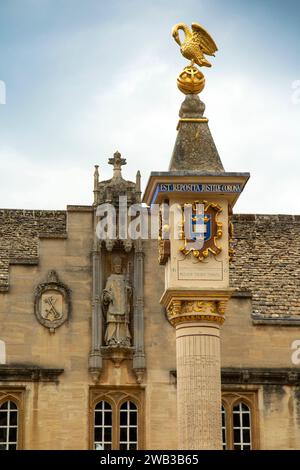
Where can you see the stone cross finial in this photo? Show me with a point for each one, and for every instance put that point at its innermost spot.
(117, 161)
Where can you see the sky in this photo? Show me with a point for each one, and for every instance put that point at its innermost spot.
(83, 79)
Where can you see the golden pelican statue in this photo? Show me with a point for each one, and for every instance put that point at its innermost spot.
(196, 43)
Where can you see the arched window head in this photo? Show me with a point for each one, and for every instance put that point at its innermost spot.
(116, 419)
(241, 426)
(128, 426)
(8, 425)
(103, 426)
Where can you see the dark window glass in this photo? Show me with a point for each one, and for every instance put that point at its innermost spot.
(123, 434)
(13, 435)
(107, 434)
(3, 435)
(13, 419)
(133, 447)
(133, 434)
(98, 434)
(246, 436)
(3, 418)
(123, 418)
(103, 428)
(107, 419)
(98, 418)
(133, 418)
(8, 425)
(236, 420)
(246, 420)
(237, 436)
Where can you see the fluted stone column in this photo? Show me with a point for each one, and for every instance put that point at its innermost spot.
(197, 326)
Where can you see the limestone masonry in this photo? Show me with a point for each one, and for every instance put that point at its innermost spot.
(265, 262)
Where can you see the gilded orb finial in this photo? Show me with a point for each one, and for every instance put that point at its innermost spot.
(195, 44)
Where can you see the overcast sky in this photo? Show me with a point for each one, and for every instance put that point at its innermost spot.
(85, 78)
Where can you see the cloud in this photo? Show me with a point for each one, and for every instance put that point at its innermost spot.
(29, 185)
(99, 79)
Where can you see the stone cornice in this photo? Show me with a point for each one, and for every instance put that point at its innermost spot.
(45, 235)
(242, 294)
(79, 208)
(279, 320)
(24, 373)
(257, 376)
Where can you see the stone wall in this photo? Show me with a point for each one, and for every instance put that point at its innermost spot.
(19, 234)
(51, 408)
(266, 262)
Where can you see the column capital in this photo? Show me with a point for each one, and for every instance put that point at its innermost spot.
(198, 306)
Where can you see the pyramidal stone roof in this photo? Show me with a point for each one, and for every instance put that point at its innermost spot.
(194, 147)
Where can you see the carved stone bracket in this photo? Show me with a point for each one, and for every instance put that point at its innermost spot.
(111, 244)
(164, 250)
(117, 354)
(52, 303)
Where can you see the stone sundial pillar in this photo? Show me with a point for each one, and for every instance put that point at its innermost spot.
(194, 248)
(197, 286)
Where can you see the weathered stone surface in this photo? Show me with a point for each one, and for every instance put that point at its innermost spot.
(19, 234)
(261, 376)
(194, 147)
(245, 347)
(266, 262)
(198, 386)
(24, 373)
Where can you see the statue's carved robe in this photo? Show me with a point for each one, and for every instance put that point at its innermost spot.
(117, 295)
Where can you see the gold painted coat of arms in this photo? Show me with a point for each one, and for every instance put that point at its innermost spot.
(201, 229)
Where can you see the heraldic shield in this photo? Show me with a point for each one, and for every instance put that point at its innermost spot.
(201, 229)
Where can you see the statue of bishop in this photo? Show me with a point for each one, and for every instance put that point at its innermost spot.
(116, 299)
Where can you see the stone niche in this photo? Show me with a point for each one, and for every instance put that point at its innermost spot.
(117, 302)
(118, 280)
